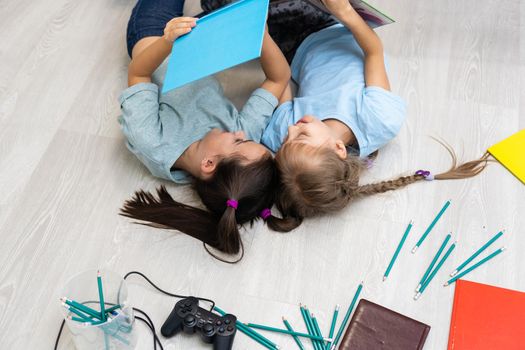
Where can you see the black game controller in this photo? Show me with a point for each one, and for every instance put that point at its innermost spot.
(188, 316)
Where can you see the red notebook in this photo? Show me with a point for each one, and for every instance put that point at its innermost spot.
(486, 318)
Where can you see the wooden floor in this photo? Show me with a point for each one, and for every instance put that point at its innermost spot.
(65, 172)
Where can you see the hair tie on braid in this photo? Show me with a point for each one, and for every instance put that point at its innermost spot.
(426, 174)
(232, 203)
(265, 213)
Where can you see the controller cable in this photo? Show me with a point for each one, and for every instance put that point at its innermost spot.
(147, 319)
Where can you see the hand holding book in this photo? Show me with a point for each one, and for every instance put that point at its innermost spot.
(338, 8)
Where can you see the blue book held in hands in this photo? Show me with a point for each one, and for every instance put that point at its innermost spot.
(225, 38)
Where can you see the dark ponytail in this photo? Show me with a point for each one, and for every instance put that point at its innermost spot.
(252, 186)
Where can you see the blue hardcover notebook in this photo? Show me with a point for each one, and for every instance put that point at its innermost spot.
(223, 39)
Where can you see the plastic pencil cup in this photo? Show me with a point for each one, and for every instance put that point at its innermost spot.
(117, 331)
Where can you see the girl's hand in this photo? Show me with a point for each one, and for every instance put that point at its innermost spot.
(338, 8)
(178, 27)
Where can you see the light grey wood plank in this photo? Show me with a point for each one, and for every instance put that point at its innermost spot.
(66, 171)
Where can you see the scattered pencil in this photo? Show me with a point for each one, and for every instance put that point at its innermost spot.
(433, 262)
(332, 326)
(295, 337)
(347, 316)
(429, 228)
(398, 249)
(267, 343)
(438, 266)
(452, 280)
(479, 251)
(284, 331)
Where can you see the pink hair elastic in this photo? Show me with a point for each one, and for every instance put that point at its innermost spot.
(428, 176)
(265, 213)
(232, 203)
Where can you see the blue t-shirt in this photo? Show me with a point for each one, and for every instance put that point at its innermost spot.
(160, 127)
(329, 70)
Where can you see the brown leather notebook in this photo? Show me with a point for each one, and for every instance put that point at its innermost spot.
(374, 327)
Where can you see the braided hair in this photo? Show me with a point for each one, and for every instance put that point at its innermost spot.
(316, 181)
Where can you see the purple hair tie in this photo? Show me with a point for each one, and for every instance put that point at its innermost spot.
(428, 176)
(369, 163)
(265, 213)
(232, 203)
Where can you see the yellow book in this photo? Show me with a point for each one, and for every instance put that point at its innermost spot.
(511, 153)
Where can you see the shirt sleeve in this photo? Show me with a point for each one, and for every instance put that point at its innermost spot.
(256, 113)
(381, 116)
(141, 124)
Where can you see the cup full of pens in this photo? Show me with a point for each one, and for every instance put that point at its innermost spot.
(97, 312)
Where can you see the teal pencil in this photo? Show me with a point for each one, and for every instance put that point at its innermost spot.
(347, 316)
(101, 297)
(296, 338)
(309, 326)
(398, 249)
(85, 309)
(257, 337)
(332, 327)
(317, 330)
(284, 331)
(250, 332)
(479, 251)
(452, 280)
(431, 226)
(438, 266)
(78, 313)
(433, 262)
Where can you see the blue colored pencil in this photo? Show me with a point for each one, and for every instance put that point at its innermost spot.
(332, 327)
(101, 297)
(310, 327)
(479, 251)
(296, 338)
(433, 262)
(347, 316)
(317, 330)
(431, 226)
(250, 332)
(399, 246)
(452, 280)
(441, 262)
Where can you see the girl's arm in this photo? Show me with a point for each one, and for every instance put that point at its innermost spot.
(144, 64)
(375, 71)
(275, 67)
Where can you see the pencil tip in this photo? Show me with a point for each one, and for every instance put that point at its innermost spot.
(414, 249)
(503, 248)
(384, 278)
(446, 284)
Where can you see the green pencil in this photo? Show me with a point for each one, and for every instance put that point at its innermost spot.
(433, 262)
(308, 323)
(101, 297)
(452, 280)
(317, 330)
(332, 327)
(398, 249)
(429, 228)
(438, 266)
(347, 316)
(284, 331)
(250, 332)
(479, 251)
(295, 337)
(85, 309)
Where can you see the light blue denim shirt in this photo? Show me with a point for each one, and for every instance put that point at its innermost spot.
(329, 70)
(159, 127)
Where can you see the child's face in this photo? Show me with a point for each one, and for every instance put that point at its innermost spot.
(310, 131)
(227, 144)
